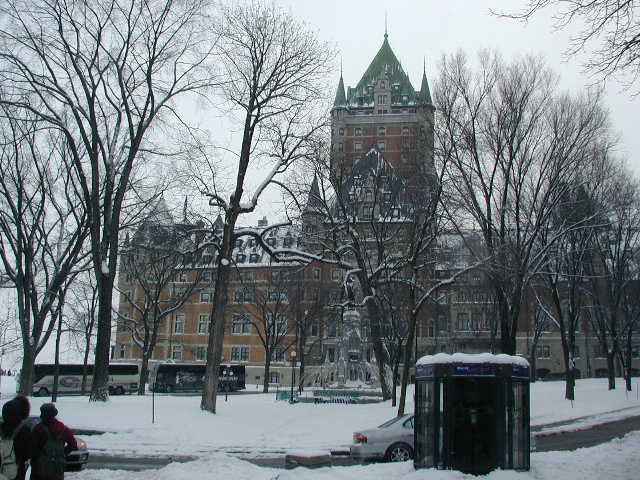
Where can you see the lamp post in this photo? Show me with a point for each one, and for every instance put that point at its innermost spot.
(293, 373)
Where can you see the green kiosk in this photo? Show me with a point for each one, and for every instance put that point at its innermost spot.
(472, 412)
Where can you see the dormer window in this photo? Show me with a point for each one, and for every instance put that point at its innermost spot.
(383, 84)
(254, 257)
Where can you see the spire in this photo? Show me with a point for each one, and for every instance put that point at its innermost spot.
(184, 210)
(341, 99)
(314, 201)
(386, 33)
(425, 93)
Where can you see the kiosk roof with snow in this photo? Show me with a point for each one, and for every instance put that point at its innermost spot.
(467, 364)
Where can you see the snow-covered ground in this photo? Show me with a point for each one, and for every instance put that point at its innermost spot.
(258, 425)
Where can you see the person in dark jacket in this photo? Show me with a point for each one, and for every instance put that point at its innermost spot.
(13, 414)
(22, 440)
(49, 422)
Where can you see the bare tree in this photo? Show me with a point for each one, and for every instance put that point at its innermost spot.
(274, 67)
(513, 145)
(613, 267)
(151, 264)
(81, 313)
(610, 32)
(42, 225)
(105, 73)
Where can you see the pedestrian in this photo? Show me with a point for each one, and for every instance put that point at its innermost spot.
(14, 445)
(22, 439)
(52, 441)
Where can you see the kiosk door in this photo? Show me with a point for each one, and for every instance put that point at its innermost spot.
(472, 408)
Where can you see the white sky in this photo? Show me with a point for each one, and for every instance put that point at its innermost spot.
(428, 28)
(257, 425)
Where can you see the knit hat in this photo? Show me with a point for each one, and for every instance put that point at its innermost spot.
(48, 411)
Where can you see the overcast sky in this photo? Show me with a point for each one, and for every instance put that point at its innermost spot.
(420, 29)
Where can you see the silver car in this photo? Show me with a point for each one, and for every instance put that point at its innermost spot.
(391, 441)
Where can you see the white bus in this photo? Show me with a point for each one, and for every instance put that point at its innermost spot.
(123, 378)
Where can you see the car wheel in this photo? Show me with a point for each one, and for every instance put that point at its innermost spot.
(118, 391)
(42, 392)
(399, 452)
(169, 389)
(110, 390)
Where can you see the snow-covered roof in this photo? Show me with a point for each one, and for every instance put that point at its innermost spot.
(472, 358)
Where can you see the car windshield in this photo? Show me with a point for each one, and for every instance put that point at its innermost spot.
(390, 422)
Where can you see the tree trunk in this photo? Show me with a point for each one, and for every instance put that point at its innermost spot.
(611, 369)
(56, 376)
(267, 374)
(25, 386)
(100, 385)
(144, 373)
(407, 361)
(381, 354)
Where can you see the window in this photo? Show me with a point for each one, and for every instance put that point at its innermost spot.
(238, 243)
(635, 351)
(383, 84)
(176, 352)
(317, 273)
(254, 258)
(315, 329)
(245, 276)
(341, 147)
(206, 276)
(277, 324)
(180, 277)
(123, 350)
(382, 131)
(206, 296)
(341, 132)
(331, 355)
(442, 323)
(204, 325)
(358, 132)
(405, 98)
(463, 322)
(336, 275)
(366, 212)
(241, 324)
(382, 99)
(274, 377)
(276, 296)
(278, 276)
(543, 351)
(178, 326)
(357, 146)
(244, 295)
(201, 353)
(381, 146)
(278, 355)
(239, 354)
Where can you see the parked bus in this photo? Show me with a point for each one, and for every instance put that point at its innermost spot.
(189, 377)
(123, 378)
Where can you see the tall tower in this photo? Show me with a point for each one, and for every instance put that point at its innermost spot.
(385, 112)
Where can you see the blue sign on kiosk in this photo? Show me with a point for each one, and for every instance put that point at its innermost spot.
(472, 412)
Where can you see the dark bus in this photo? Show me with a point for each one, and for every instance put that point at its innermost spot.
(123, 378)
(189, 377)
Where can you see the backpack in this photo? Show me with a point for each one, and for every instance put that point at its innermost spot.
(8, 466)
(50, 462)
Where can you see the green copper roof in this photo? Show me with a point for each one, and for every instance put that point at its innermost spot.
(385, 61)
(340, 97)
(425, 93)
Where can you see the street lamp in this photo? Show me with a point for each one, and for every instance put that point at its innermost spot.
(293, 373)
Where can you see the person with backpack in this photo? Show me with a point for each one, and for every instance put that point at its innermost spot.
(52, 440)
(11, 424)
